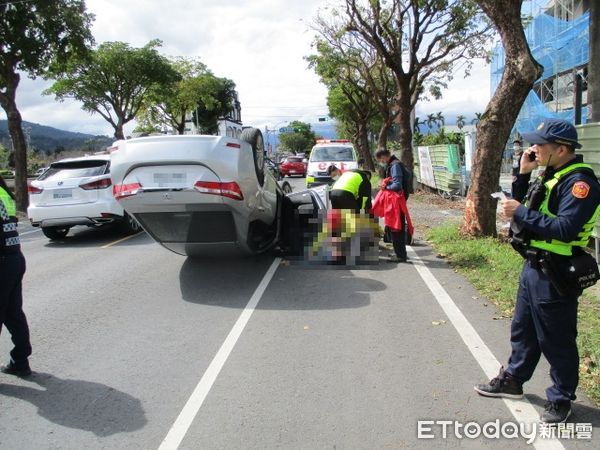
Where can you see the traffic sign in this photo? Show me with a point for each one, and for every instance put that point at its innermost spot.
(286, 130)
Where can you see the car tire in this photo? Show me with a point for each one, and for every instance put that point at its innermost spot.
(254, 137)
(55, 233)
(286, 187)
(130, 225)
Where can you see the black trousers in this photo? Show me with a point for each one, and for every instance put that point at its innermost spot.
(544, 323)
(399, 240)
(341, 199)
(12, 268)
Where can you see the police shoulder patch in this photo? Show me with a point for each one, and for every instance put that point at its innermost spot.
(580, 189)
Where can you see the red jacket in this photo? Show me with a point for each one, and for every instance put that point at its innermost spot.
(391, 206)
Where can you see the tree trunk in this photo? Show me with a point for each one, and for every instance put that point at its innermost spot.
(405, 131)
(382, 139)
(119, 129)
(520, 72)
(7, 101)
(363, 146)
(594, 64)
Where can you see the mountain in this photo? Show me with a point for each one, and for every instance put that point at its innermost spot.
(48, 139)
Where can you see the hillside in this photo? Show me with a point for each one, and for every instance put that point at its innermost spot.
(48, 139)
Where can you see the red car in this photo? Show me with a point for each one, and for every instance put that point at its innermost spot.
(293, 165)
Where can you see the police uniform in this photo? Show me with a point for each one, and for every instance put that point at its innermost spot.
(352, 190)
(549, 232)
(12, 268)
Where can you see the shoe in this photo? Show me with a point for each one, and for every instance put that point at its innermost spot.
(20, 370)
(501, 386)
(556, 412)
(394, 258)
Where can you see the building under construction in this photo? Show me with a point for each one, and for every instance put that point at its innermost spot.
(558, 34)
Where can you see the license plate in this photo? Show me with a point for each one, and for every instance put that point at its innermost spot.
(170, 179)
(62, 193)
(293, 171)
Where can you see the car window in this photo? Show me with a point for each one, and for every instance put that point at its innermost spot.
(332, 154)
(293, 160)
(75, 169)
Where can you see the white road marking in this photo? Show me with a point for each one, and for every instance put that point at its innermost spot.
(29, 232)
(521, 410)
(194, 403)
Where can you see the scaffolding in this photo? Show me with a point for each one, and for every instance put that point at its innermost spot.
(558, 34)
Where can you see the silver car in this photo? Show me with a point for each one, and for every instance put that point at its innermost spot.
(201, 195)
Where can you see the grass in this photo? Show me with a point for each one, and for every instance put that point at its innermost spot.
(493, 267)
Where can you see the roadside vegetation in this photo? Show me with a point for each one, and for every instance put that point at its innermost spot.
(493, 267)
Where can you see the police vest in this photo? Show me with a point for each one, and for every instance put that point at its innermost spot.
(350, 182)
(554, 245)
(9, 237)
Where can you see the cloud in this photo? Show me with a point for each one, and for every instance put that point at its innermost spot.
(259, 44)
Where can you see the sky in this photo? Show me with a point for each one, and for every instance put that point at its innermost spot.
(259, 44)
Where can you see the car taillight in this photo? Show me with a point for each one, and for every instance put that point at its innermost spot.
(233, 145)
(125, 190)
(34, 189)
(100, 184)
(229, 190)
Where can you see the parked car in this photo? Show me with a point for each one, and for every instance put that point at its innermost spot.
(75, 191)
(40, 171)
(201, 195)
(325, 153)
(293, 165)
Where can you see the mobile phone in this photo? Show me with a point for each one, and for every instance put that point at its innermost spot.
(531, 156)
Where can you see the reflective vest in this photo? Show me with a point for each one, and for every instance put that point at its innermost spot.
(9, 237)
(350, 182)
(582, 240)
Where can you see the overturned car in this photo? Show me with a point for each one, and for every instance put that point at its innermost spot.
(204, 195)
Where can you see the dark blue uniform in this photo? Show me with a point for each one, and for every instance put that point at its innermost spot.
(545, 322)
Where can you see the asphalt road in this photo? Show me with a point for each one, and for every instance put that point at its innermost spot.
(135, 347)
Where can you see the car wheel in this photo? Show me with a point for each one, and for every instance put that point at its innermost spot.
(130, 225)
(55, 233)
(286, 187)
(254, 137)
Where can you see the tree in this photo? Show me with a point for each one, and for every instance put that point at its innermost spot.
(216, 100)
(352, 52)
(520, 72)
(431, 120)
(460, 121)
(477, 118)
(299, 140)
(36, 36)
(440, 119)
(417, 125)
(432, 35)
(350, 99)
(115, 81)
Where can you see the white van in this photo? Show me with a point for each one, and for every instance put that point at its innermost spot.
(327, 152)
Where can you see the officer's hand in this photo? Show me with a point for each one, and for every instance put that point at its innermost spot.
(527, 165)
(509, 206)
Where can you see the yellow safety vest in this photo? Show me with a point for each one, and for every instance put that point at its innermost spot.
(350, 182)
(583, 238)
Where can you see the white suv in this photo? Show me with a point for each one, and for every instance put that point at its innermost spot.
(75, 191)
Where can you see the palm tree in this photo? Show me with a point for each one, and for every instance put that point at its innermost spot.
(460, 121)
(440, 119)
(477, 118)
(417, 124)
(431, 120)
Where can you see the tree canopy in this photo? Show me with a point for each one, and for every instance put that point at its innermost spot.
(36, 37)
(116, 81)
(301, 139)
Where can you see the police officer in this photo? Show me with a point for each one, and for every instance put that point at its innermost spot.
(12, 268)
(552, 226)
(352, 190)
